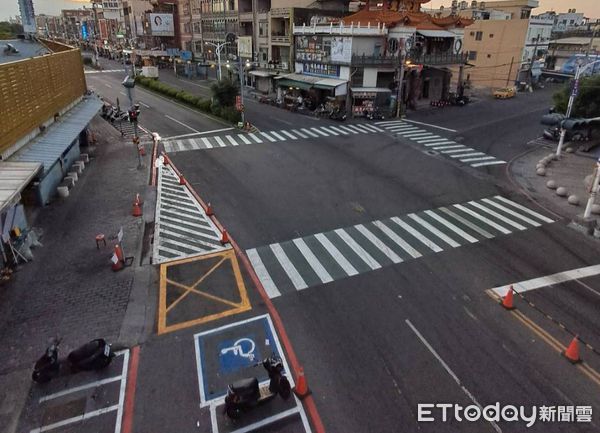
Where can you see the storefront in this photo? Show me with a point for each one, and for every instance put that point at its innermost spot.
(313, 90)
(262, 80)
(369, 99)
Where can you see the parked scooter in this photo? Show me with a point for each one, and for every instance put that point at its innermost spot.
(338, 114)
(94, 355)
(374, 115)
(245, 394)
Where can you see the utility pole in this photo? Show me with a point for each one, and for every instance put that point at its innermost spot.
(512, 62)
(537, 40)
(218, 48)
(241, 73)
(399, 95)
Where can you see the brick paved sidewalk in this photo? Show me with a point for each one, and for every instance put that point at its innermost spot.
(69, 289)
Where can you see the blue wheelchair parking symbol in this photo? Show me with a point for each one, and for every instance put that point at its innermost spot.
(237, 354)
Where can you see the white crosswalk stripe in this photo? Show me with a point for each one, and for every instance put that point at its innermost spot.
(182, 228)
(426, 138)
(344, 252)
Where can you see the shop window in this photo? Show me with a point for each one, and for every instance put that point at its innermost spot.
(478, 36)
(472, 55)
(491, 35)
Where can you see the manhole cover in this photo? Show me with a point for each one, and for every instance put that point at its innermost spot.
(431, 152)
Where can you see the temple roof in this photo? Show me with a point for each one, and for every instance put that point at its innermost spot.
(420, 20)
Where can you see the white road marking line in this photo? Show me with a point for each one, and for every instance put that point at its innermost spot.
(511, 212)
(395, 258)
(418, 134)
(206, 246)
(360, 252)
(348, 129)
(122, 390)
(197, 133)
(189, 240)
(428, 243)
(361, 128)
(329, 130)
(467, 223)
(464, 149)
(108, 85)
(123, 93)
(244, 139)
(176, 253)
(262, 274)
(433, 230)
(371, 127)
(497, 215)
(431, 139)
(451, 226)
(466, 155)
(293, 137)
(268, 137)
(277, 136)
(336, 254)
(255, 138)
(310, 133)
(549, 280)
(145, 105)
(481, 164)
(449, 371)
(168, 225)
(483, 158)
(220, 141)
(257, 426)
(181, 123)
(75, 419)
(318, 131)
(337, 129)
(207, 143)
(295, 131)
(429, 124)
(357, 129)
(288, 267)
(389, 122)
(524, 209)
(397, 239)
(194, 144)
(80, 388)
(453, 146)
(231, 140)
(312, 260)
(401, 129)
(482, 218)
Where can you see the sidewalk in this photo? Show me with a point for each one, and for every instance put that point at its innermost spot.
(569, 172)
(69, 289)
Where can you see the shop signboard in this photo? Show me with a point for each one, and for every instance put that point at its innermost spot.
(324, 49)
(245, 47)
(162, 25)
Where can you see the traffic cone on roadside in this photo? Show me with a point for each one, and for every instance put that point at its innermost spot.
(301, 389)
(224, 237)
(572, 352)
(119, 253)
(209, 210)
(181, 179)
(137, 209)
(508, 301)
(117, 264)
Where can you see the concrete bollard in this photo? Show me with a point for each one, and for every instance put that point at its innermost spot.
(69, 181)
(73, 174)
(541, 172)
(561, 191)
(84, 157)
(77, 168)
(63, 191)
(596, 209)
(551, 184)
(573, 199)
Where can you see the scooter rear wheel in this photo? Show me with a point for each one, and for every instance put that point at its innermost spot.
(233, 412)
(285, 389)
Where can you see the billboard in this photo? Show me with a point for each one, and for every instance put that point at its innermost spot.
(162, 25)
(245, 47)
(324, 49)
(103, 28)
(27, 16)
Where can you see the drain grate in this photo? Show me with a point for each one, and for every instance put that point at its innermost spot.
(431, 152)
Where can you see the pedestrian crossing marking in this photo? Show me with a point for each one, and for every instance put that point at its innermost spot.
(428, 139)
(321, 258)
(182, 228)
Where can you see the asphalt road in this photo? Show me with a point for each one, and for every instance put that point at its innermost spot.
(377, 344)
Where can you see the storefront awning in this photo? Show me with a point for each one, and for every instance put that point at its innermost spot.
(436, 33)
(304, 82)
(329, 83)
(14, 177)
(370, 89)
(48, 147)
(262, 73)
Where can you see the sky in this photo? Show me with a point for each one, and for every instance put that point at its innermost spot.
(9, 8)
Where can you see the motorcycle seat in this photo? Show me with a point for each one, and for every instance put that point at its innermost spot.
(245, 386)
(87, 350)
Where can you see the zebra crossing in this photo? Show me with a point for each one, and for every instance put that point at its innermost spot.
(203, 143)
(103, 71)
(325, 257)
(182, 228)
(447, 147)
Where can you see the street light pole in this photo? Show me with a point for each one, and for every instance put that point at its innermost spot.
(593, 193)
(580, 69)
(218, 49)
(400, 81)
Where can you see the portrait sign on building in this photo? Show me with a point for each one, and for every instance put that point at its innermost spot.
(162, 25)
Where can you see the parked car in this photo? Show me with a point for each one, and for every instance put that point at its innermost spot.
(505, 93)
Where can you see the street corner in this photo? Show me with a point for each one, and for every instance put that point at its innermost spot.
(200, 289)
(233, 352)
(92, 401)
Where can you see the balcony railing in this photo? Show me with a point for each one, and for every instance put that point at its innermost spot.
(281, 39)
(389, 61)
(438, 59)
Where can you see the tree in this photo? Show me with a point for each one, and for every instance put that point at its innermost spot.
(224, 93)
(10, 30)
(587, 102)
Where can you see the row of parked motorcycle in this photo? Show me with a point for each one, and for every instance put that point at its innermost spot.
(113, 113)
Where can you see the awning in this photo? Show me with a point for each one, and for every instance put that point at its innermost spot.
(14, 177)
(303, 82)
(329, 83)
(436, 33)
(48, 147)
(262, 73)
(371, 89)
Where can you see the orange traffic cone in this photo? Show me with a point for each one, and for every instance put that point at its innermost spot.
(209, 210)
(166, 160)
(508, 302)
(117, 264)
(301, 389)
(181, 179)
(119, 253)
(137, 210)
(572, 352)
(224, 237)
